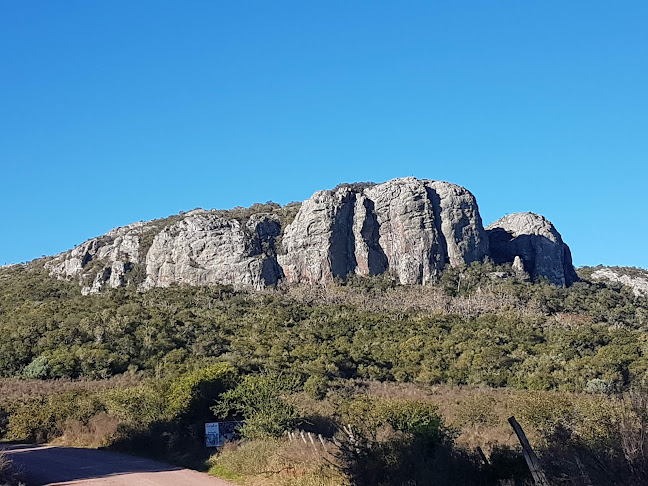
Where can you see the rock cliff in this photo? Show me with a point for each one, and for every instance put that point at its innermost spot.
(101, 261)
(208, 249)
(634, 278)
(536, 242)
(408, 227)
(411, 227)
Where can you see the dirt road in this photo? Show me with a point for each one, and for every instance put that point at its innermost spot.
(47, 465)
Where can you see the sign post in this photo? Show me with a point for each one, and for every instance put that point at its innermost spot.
(212, 435)
(216, 433)
(529, 455)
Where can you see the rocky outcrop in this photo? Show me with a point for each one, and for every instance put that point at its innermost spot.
(324, 221)
(410, 227)
(635, 278)
(120, 244)
(103, 261)
(200, 247)
(208, 249)
(536, 242)
(464, 238)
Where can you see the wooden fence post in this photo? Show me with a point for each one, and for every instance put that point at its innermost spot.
(322, 441)
(483, 456)
(310, 436)
(531, 459)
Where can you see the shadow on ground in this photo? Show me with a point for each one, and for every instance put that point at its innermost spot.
(42, 464)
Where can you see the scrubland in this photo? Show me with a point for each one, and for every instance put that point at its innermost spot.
(395, 384)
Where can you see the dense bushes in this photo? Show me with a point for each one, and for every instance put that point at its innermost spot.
(409, 435)
(8, 474)
(259, 399)
(259, 357)
(604, 443)
(494, 331)
(405, 442)
(191, 394)
(40, 419)
(163, 405)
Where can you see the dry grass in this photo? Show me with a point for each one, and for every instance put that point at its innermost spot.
(277, 462)
(20, 389)
(480, 414)
(429, 299)
(100, 431)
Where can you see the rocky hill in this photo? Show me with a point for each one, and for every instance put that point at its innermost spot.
(636, 279)
(409, 228)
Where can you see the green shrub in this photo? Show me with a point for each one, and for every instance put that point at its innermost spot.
(260, 400)
(316, 386)
(597, 385)
(192, 393)
(421, 419)
(409, 416)
(8, 473)
(40, 419)
(545, 411)
(38, 368)
(142, 404)
(401, 442)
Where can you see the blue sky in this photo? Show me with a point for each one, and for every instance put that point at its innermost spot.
(120, 111)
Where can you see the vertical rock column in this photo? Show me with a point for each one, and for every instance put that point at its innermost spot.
(319, 244)
(409, 227)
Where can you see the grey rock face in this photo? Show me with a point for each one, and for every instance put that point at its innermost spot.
(99, 257)
(118, 271)
(637, 280)
(410, 227)
(407, 227)
(409, 230)
(112, 276)
(461, 224)
(201, 248)
(536, 242)
(324, 222)
(207, 249)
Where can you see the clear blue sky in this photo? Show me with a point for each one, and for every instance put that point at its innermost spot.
(119, 111)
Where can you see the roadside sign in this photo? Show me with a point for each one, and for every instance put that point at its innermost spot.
(216, 433)
(212, 435)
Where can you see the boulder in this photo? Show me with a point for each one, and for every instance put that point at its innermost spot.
(533, 240)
